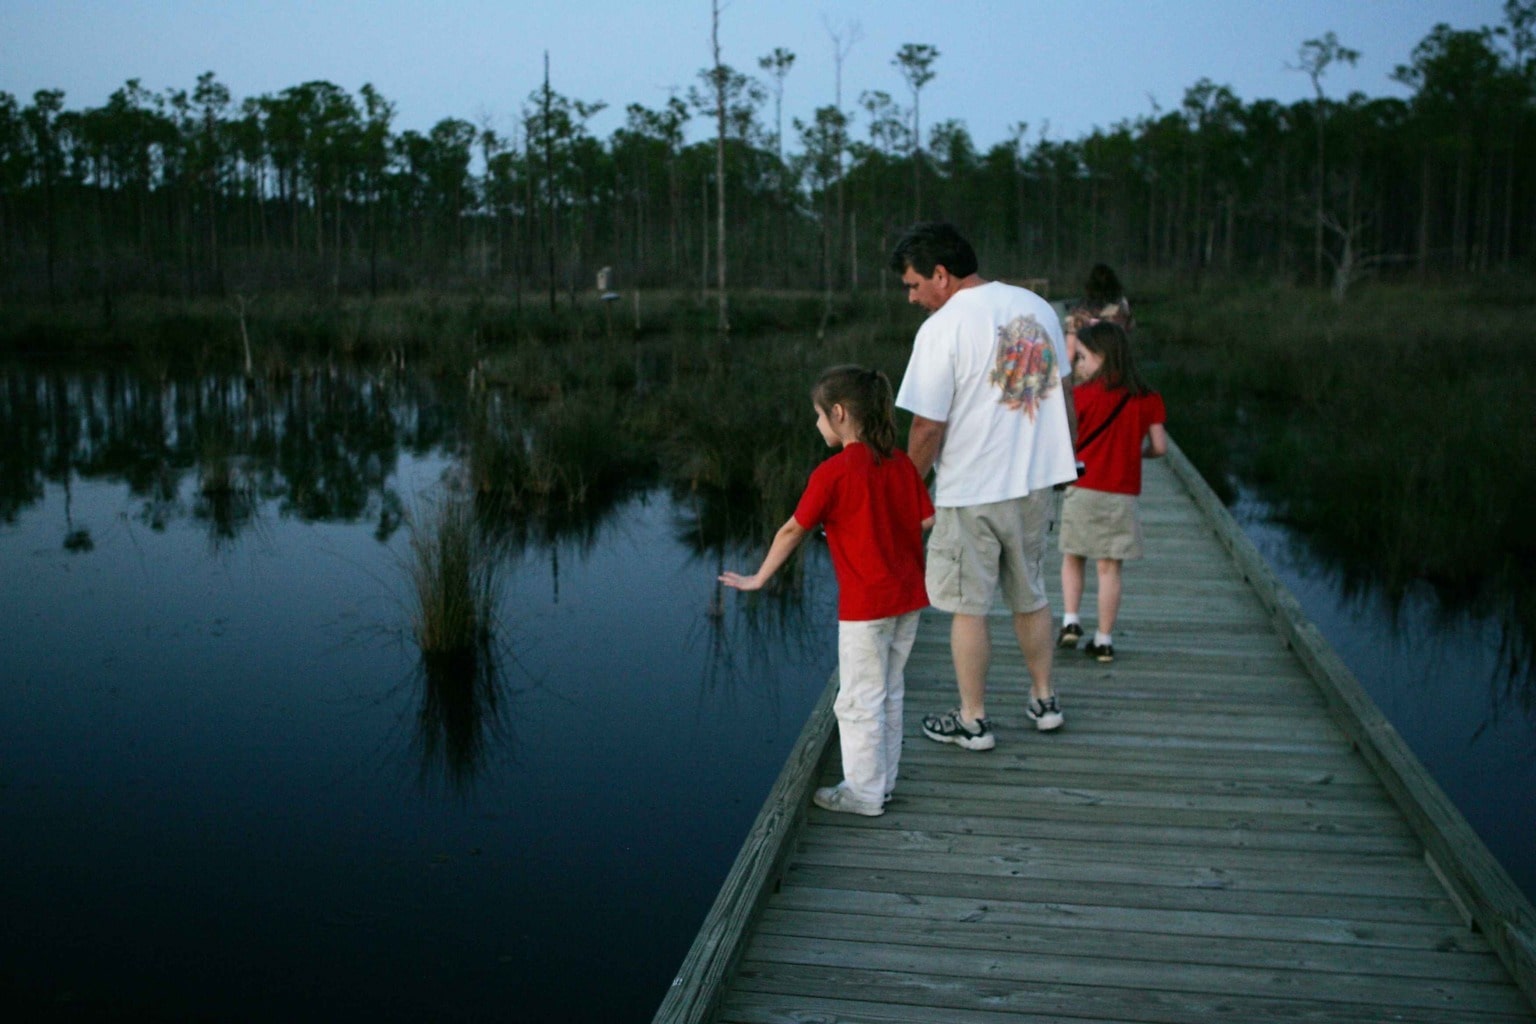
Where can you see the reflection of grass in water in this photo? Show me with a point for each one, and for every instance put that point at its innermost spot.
(1391, 431)
(462, 717)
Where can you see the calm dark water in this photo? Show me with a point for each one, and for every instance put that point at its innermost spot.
(227, 790)
(1455, 685)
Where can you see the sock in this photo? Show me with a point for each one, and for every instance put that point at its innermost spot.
(1102, 639)
(1069, 620)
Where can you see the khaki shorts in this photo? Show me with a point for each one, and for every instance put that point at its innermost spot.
(975, 550)
(1098, 524)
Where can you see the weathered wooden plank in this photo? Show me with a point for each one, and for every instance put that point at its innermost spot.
(937, 964)
(1443, 937)
(1090, 812)
(1068, 766)
(1389, 838)
(1030, 793)
(820, 993)
(1318, 870)
(986, 860)
(1428, 909)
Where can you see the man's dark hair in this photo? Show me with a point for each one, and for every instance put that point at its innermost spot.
(934, 244)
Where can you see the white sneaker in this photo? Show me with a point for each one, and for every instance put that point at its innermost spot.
(1046, 713)
(836, 798)
(951, 728)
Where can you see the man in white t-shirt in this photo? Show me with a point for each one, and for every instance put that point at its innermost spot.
(990, 396)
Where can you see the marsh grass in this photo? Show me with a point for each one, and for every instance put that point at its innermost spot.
(427, 330)
(1395, 431)
(454, 568)
(454, 573)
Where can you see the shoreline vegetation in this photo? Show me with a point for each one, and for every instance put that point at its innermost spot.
(1391, 430)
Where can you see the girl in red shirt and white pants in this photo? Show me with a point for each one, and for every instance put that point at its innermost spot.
(1119, 422)
(874, 508)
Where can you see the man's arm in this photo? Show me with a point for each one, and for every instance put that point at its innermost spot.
(923, 443)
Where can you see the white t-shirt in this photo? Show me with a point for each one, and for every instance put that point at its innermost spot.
(989, 364)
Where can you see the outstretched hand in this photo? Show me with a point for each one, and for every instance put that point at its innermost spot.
(736, 581)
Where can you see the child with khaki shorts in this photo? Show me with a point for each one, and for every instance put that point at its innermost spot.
(1120, 421)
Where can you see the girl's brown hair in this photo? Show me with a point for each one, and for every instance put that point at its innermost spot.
(866, 395)
(1109, 340)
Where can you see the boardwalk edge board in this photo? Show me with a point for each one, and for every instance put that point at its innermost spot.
(1475, 881)
(694, 994)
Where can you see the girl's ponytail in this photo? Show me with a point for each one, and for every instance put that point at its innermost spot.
(866, 395)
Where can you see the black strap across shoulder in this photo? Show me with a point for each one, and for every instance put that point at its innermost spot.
(1096, 431)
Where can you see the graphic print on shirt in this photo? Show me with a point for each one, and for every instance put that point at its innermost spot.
(1026, 364)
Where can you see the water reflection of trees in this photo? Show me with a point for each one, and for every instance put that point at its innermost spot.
(546, 471)
(321, 445)
(732, 441)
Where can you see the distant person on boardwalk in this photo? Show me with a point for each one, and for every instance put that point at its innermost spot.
(992, 415)
(873, 504)
(1103, 299)
(1119, 422)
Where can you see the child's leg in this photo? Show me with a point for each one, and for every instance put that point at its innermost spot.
(1109, 594)
(1072, 583)
(862, 651)
(902, 636)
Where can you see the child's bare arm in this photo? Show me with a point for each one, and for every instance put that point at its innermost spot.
(1157, 442)
(784, 543)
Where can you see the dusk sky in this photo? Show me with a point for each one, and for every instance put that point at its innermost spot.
(1070, 66)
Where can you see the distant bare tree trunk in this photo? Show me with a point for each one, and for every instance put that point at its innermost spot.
(1314, 57)
(549, 189)
(714, 38)
(238, 306)
(842, 45)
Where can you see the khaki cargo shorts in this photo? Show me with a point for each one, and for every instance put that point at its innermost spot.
(974, 551)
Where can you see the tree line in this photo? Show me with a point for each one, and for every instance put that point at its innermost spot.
(188, 192)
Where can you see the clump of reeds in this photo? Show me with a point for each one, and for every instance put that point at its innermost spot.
(453, 570)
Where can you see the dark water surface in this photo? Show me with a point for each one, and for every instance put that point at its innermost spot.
(229, 791)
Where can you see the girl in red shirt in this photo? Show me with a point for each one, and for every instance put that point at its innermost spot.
(1119, 422)
(874, 507)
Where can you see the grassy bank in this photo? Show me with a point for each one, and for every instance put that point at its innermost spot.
(1395, 430)
(427, 330)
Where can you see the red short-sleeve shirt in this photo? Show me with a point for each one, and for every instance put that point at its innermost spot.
(1113, 459)
(873, 514)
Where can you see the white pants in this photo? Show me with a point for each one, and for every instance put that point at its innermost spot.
(871, 688)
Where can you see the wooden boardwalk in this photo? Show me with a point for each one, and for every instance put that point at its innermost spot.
(1225, 829)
